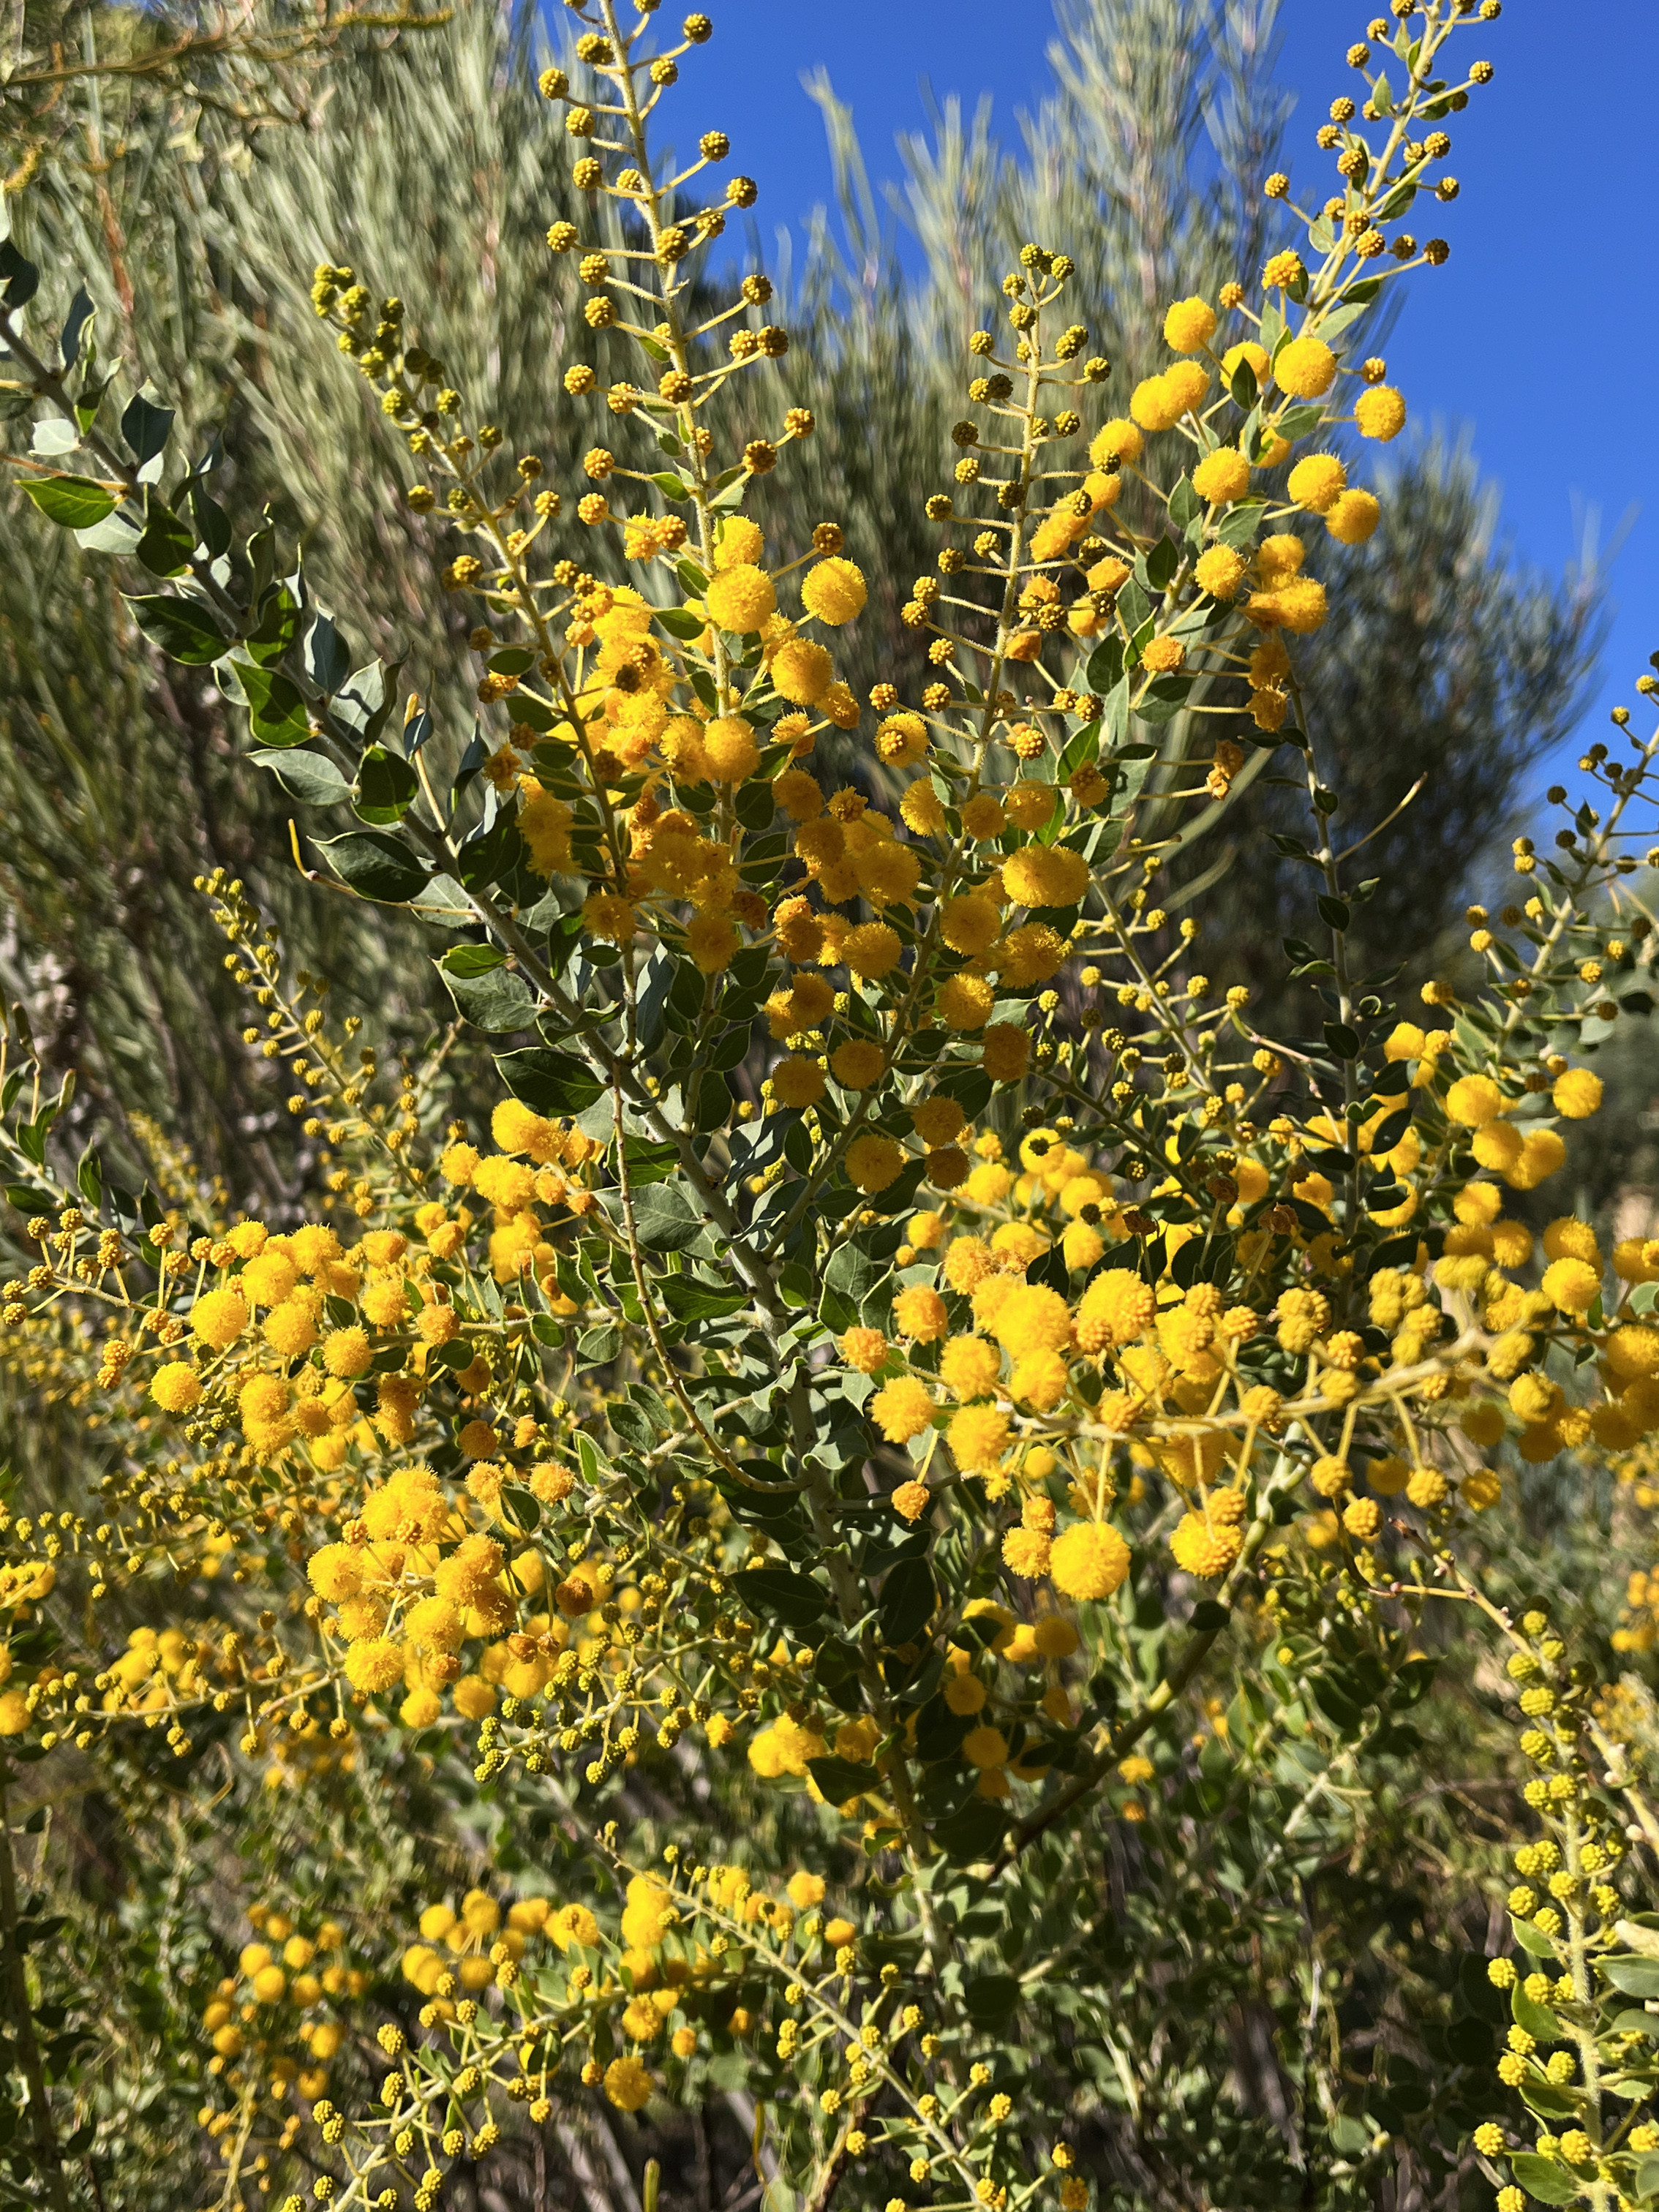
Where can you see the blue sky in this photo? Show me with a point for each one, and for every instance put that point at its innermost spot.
(1537, 334)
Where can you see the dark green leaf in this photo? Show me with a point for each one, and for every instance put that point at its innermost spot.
(972, 1834)
(277, 627)
(307, 776)
(549, 1082)
(184, 631)
(18, 278)
(796, 1599)
(325, 653)
(386, 786)
(375, 866)
(841, 1779)
(146, 428)
(1543, 2178)
(276, 713)
(1539, 2022)
(689, 1300)
(991, 1998)
(76, 502)
(1636, 1977)
(907, 1599)
(167, 542)
(521, 1510)
(665, 1219)
(491, 996)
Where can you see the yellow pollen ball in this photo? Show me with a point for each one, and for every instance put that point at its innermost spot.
(219, 1318)
(1306, 368)
(730, 750)
(1571, 1284)
(1577, 1094)
(1380, 413)
(1220, 572)
(858, 1064)
(175, 1388)
(1045, 875)
(1089, 1561)
(1222, 475)
(1189, 325)
(834, 590)
(1474, 1100)
(1318, 482)
(739, 599)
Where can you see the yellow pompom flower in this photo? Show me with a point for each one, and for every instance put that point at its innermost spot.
(902, 1409)
(1005, 1052)
(375, 1664)
(1219, 571)
(1354, 517)
(1632, 1350)
(858, 1064)
(1189, 325)
(985, 1748)
(268, 1279)
(834, 590)
(1116, 441)
(901, 739)
(1222, 475)
(1153, 405)
(1572, 1286)
(1033, 1318)
(218, 1318)
(1317, 482)
(871, 949)
(1246, 353)
(1474, 1100)
(737, 540)
(176, 1387)
(605, 914)
(919, 1313)
(1542, 1155)
(627, 2084)
(1045, 875)
(982, 817)
(1090, 1560)
(573, 1924)
(1205, 1548)
(346, 1351)
(969, 924)
(1577, 1094)
(1306, 368)
(335, 1572)
(1115, 1308)
(970, 1367)
(729, 748)
(291, 1328)
(1040, 1380)
(978, 1437)
(740, 599)
(796, 1082)
(965, 1002)
(1380, 413)
(802, 671)
(1187, 382)
(711, 939)
(874, 1162)
(418, 1710)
